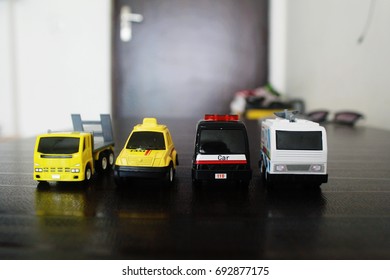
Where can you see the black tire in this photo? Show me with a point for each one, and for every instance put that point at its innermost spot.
(43, 185)
(170, 176)
(195, 182)
(267, 181)
(262, 169)
(265, 174)
(102, 163)
(87, 174)
(111, 160)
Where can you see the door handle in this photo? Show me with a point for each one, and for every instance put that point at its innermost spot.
(126, 18)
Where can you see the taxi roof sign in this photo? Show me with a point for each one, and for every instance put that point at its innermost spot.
(149, 122)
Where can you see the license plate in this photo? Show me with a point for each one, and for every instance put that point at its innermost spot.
(55, 176)
(220, 176)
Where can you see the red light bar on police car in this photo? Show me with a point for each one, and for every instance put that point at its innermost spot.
(215, 117)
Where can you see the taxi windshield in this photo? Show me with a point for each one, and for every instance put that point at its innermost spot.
(146, 140)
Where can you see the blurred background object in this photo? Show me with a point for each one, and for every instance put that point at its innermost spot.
(57, 57)
(262, 102)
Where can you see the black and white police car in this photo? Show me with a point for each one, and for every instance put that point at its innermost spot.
(221, 150)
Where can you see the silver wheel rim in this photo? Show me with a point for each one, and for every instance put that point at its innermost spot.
(111, 159)
(171, 174)
(104, 163)
(88, 174)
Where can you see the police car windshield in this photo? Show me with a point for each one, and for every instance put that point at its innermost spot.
(146, 140)
(58, 145)
(298, 140)
(222, 141)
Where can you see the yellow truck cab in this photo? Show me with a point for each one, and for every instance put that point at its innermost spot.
(74, 156)
(149, 152)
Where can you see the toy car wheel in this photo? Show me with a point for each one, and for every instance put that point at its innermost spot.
(267, 181)
(102, 164)
(88, 173)
(170, 174)
(43, 185)
(262, 170)
(111, 159)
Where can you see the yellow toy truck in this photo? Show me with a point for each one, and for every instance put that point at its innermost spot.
(74, 156)
(149, 152)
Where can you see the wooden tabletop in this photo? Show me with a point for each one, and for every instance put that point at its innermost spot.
(347, 218)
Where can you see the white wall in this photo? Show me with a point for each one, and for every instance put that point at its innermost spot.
(277, 44)
(57, 55)
(7, 118)
(327, 66)
(55, 59)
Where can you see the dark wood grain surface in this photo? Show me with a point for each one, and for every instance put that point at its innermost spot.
(347, 218)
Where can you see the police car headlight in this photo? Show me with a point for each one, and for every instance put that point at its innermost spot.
(280, 168)
(316, 168)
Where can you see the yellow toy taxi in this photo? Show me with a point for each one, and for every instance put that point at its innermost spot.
(149, 152)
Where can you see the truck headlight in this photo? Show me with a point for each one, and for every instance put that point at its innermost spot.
(75, 170)
(38, 170)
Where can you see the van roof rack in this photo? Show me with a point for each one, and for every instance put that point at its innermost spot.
(286, 114)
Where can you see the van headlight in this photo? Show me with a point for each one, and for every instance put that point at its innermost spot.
(316, 167)
(280, 168)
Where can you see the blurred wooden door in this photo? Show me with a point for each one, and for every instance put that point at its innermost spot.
(186, 57)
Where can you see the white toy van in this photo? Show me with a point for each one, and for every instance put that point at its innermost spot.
(293, 150)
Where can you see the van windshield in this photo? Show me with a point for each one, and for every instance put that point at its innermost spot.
(146, 140)
(58, 145)
(222, 141)
(299, 140)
